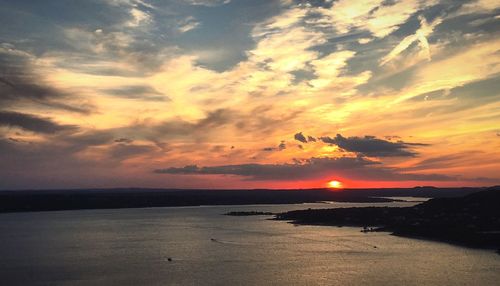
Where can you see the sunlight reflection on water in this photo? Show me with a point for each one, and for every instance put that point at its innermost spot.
(133, 247)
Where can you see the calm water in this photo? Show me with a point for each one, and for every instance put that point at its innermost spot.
(132, 247)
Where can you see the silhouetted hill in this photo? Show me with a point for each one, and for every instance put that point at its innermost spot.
(50, 200)
(16, 201)
(472, 220)
(421, 191)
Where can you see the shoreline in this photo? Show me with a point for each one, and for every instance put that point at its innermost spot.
(389, 232)
(471, 221)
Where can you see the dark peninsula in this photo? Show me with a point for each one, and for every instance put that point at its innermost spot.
(472, 220)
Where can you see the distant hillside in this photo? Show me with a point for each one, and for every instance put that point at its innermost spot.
(52, 200)
(19, 201)
(472, 220)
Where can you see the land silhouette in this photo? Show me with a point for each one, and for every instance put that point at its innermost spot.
(472, 220)
(55, 200)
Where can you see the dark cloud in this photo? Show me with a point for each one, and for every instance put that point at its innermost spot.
(126, 151)
(17, 88)
(310, 168)
(22, 89)
(372, 146)
(300, 137)
(143, 92)
(186, 170)
(282, 146)
(357, 168)
(124, 140)
(32, 123)
(90, 138)
(18, 83)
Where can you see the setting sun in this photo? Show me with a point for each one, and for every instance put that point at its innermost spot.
(335, 184)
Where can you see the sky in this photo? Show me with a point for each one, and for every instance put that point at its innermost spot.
(249, 93)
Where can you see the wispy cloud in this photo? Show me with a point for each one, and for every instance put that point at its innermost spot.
(420, 35)
(209, 3)
(187, 24)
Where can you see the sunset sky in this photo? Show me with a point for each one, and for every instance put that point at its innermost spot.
(249, 93)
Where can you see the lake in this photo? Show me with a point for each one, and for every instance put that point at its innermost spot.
(133, 247)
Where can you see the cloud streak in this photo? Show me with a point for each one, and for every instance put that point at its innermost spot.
(142, 92)
(373, 147)
(33, 123)
(315, 168)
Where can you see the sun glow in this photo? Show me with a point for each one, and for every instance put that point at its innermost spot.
(334, 184)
